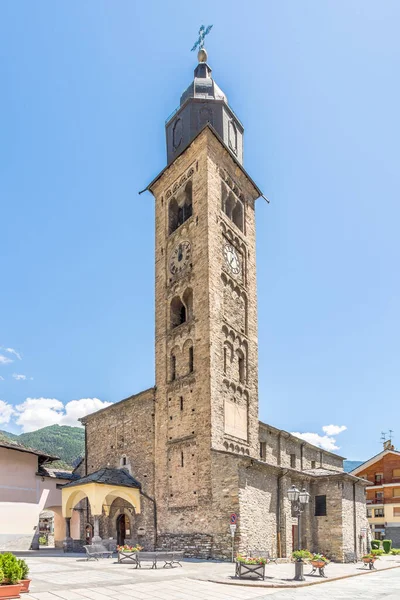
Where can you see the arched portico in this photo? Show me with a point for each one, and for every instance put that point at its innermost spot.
(101, 489)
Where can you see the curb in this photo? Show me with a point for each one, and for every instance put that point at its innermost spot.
(301, 585)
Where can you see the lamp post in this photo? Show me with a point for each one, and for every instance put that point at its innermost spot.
(299, 501)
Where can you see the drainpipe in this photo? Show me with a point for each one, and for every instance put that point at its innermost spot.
(279, 448)
(278, 514)
(355, 520)
(155, 515)
(87, 499)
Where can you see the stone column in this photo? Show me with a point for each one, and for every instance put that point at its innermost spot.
(96, 537)
(68, 543)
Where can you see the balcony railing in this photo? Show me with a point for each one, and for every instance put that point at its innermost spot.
(375, 501)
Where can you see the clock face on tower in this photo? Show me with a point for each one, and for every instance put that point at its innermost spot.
(180, 257)
(232, 259)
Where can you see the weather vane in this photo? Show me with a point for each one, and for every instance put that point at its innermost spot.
(203, 31)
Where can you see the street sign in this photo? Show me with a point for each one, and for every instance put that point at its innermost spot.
(233, 519)
(233, 529)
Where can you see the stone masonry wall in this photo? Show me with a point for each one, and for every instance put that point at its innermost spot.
(122, 436)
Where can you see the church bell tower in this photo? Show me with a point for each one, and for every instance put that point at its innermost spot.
(206, 307)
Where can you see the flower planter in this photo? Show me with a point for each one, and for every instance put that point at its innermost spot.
(370, 562)
(320, 565)
(244, 571)
(10, 591)
(25, 585)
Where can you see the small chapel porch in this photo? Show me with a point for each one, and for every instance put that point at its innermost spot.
(101, 489)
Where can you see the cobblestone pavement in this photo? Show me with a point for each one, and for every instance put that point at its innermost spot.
(73, 578)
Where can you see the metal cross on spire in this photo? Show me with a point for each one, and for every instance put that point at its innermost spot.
(203, 31)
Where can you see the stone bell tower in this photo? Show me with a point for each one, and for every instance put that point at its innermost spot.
(206, 310)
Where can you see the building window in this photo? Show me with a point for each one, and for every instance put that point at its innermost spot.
(123, 461)
(396, 511)
(263, 450)
(369, 513)
(378, 478)
(241, 368)
(379, 512)
(225, 356)
(313, 463)
(181, 402)
(182, 458)
(396, 473)
(293, 461)
(378, 497)
(173, 367)
(396, 492)
(320, 506)
(191, 359)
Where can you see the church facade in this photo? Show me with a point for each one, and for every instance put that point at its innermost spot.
(194, 442)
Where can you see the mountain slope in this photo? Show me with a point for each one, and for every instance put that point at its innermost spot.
(349, 465)
(58, 440)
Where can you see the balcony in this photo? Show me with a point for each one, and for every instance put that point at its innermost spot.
(375, 501)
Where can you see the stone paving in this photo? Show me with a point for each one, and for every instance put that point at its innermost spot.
(73, 578)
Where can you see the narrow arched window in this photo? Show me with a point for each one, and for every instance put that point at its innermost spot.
(173, 367)
(191, 359)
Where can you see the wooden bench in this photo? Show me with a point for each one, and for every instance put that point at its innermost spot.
(96, 551)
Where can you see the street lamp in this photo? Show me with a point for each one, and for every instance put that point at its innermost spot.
(299, 501)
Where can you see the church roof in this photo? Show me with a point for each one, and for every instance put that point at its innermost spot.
(107, 476)
(203, 86)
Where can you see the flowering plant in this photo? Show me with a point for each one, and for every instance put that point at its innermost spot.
(254, 560)
(370, 556)
(300, 554)
(320, 557)
(127, 548)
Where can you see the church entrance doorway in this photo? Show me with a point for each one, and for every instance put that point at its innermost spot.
(123, 529)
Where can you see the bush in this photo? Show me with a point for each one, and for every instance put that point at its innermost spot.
(24, 568)
(12, 572)
(395, 551)
(375, 544)
(378, 552)
(42, 540)
(387, 546)
(1, 576)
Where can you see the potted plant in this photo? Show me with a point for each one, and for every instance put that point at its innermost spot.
(24, 575)
(10, 573)
(369, 559)
(250, 566)
(299, 556)
(319, 561)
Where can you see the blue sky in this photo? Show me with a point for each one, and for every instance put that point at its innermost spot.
(86, 87)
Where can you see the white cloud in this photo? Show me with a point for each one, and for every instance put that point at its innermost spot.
(6, 411)
(4, 360)
(19, 376)
(14, 352)
(327, 441)
(35, 413)
(333, 429)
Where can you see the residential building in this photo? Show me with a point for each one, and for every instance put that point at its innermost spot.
(383, 493)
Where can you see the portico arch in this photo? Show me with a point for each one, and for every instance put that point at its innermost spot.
(101, 489)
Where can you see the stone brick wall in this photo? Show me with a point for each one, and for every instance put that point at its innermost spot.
(124, 432)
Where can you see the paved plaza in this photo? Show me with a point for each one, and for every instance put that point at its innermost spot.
(61, 577)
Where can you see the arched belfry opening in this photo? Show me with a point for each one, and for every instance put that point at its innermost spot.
(180, 208)
(178, 312)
